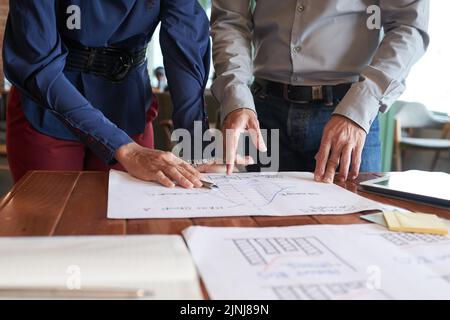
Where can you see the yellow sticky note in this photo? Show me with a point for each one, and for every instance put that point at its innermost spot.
(415, 222)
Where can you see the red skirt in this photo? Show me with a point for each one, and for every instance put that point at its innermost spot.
(29, 149)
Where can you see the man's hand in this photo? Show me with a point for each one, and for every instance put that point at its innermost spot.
(154, 165)
(234, 124)
(342, 145)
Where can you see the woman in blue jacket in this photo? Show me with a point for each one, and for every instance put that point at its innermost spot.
(81, 97)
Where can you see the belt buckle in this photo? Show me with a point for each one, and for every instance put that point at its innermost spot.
(126, 62)
(123, 65)
(317, 93)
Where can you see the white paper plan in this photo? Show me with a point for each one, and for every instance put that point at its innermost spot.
(241, 194)
(320, 262)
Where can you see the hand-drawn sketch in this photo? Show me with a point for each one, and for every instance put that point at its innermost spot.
(320, 262)
(237, 195)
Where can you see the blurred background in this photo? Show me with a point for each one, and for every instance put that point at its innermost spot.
(415, 133)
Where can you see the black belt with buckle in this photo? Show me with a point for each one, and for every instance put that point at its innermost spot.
(112, 63)
(327, 94)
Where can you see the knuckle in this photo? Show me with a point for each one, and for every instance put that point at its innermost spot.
(342, 140)
(327, 137)
(233, 126)
(332, 165)
(320, 153)
(253, 121)
(187, 174)
(168, 155)
(167, 169)
(334, 158)
(172, 170)
(161, 156)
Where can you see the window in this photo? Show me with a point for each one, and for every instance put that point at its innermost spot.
(428, 81)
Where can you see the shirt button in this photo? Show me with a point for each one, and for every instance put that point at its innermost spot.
(301, 8)
(297, 49)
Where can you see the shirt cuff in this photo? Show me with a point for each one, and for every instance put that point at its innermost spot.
(236, 97)
(103, 148)
(360, 106)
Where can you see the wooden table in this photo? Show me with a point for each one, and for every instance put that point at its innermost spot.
(74, 203)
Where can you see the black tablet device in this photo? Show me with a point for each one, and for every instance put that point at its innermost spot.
(426, 187)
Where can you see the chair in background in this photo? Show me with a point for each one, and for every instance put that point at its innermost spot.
(411, 116)
(445, 135)
(163, 125)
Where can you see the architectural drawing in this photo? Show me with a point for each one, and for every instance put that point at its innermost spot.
(320, 262)
(241, 194)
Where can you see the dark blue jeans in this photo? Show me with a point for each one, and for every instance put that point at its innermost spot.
(300, 131)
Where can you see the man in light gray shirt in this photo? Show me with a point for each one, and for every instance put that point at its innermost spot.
(322, 71)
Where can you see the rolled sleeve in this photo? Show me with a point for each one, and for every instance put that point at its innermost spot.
(405, 23)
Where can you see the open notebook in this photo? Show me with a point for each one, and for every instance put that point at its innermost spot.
(160, 265)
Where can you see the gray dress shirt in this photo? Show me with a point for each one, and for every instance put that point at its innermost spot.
(318, 42)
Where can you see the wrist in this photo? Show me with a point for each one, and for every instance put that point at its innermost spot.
(125, 151)
(240, 111)
(337, 115)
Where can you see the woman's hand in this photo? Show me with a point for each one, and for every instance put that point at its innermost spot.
(154, 165)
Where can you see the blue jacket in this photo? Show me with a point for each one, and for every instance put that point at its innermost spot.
(73, 105)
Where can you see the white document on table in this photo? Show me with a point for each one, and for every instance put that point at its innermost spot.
(241, 194)
(160, 265)
(320, 262)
